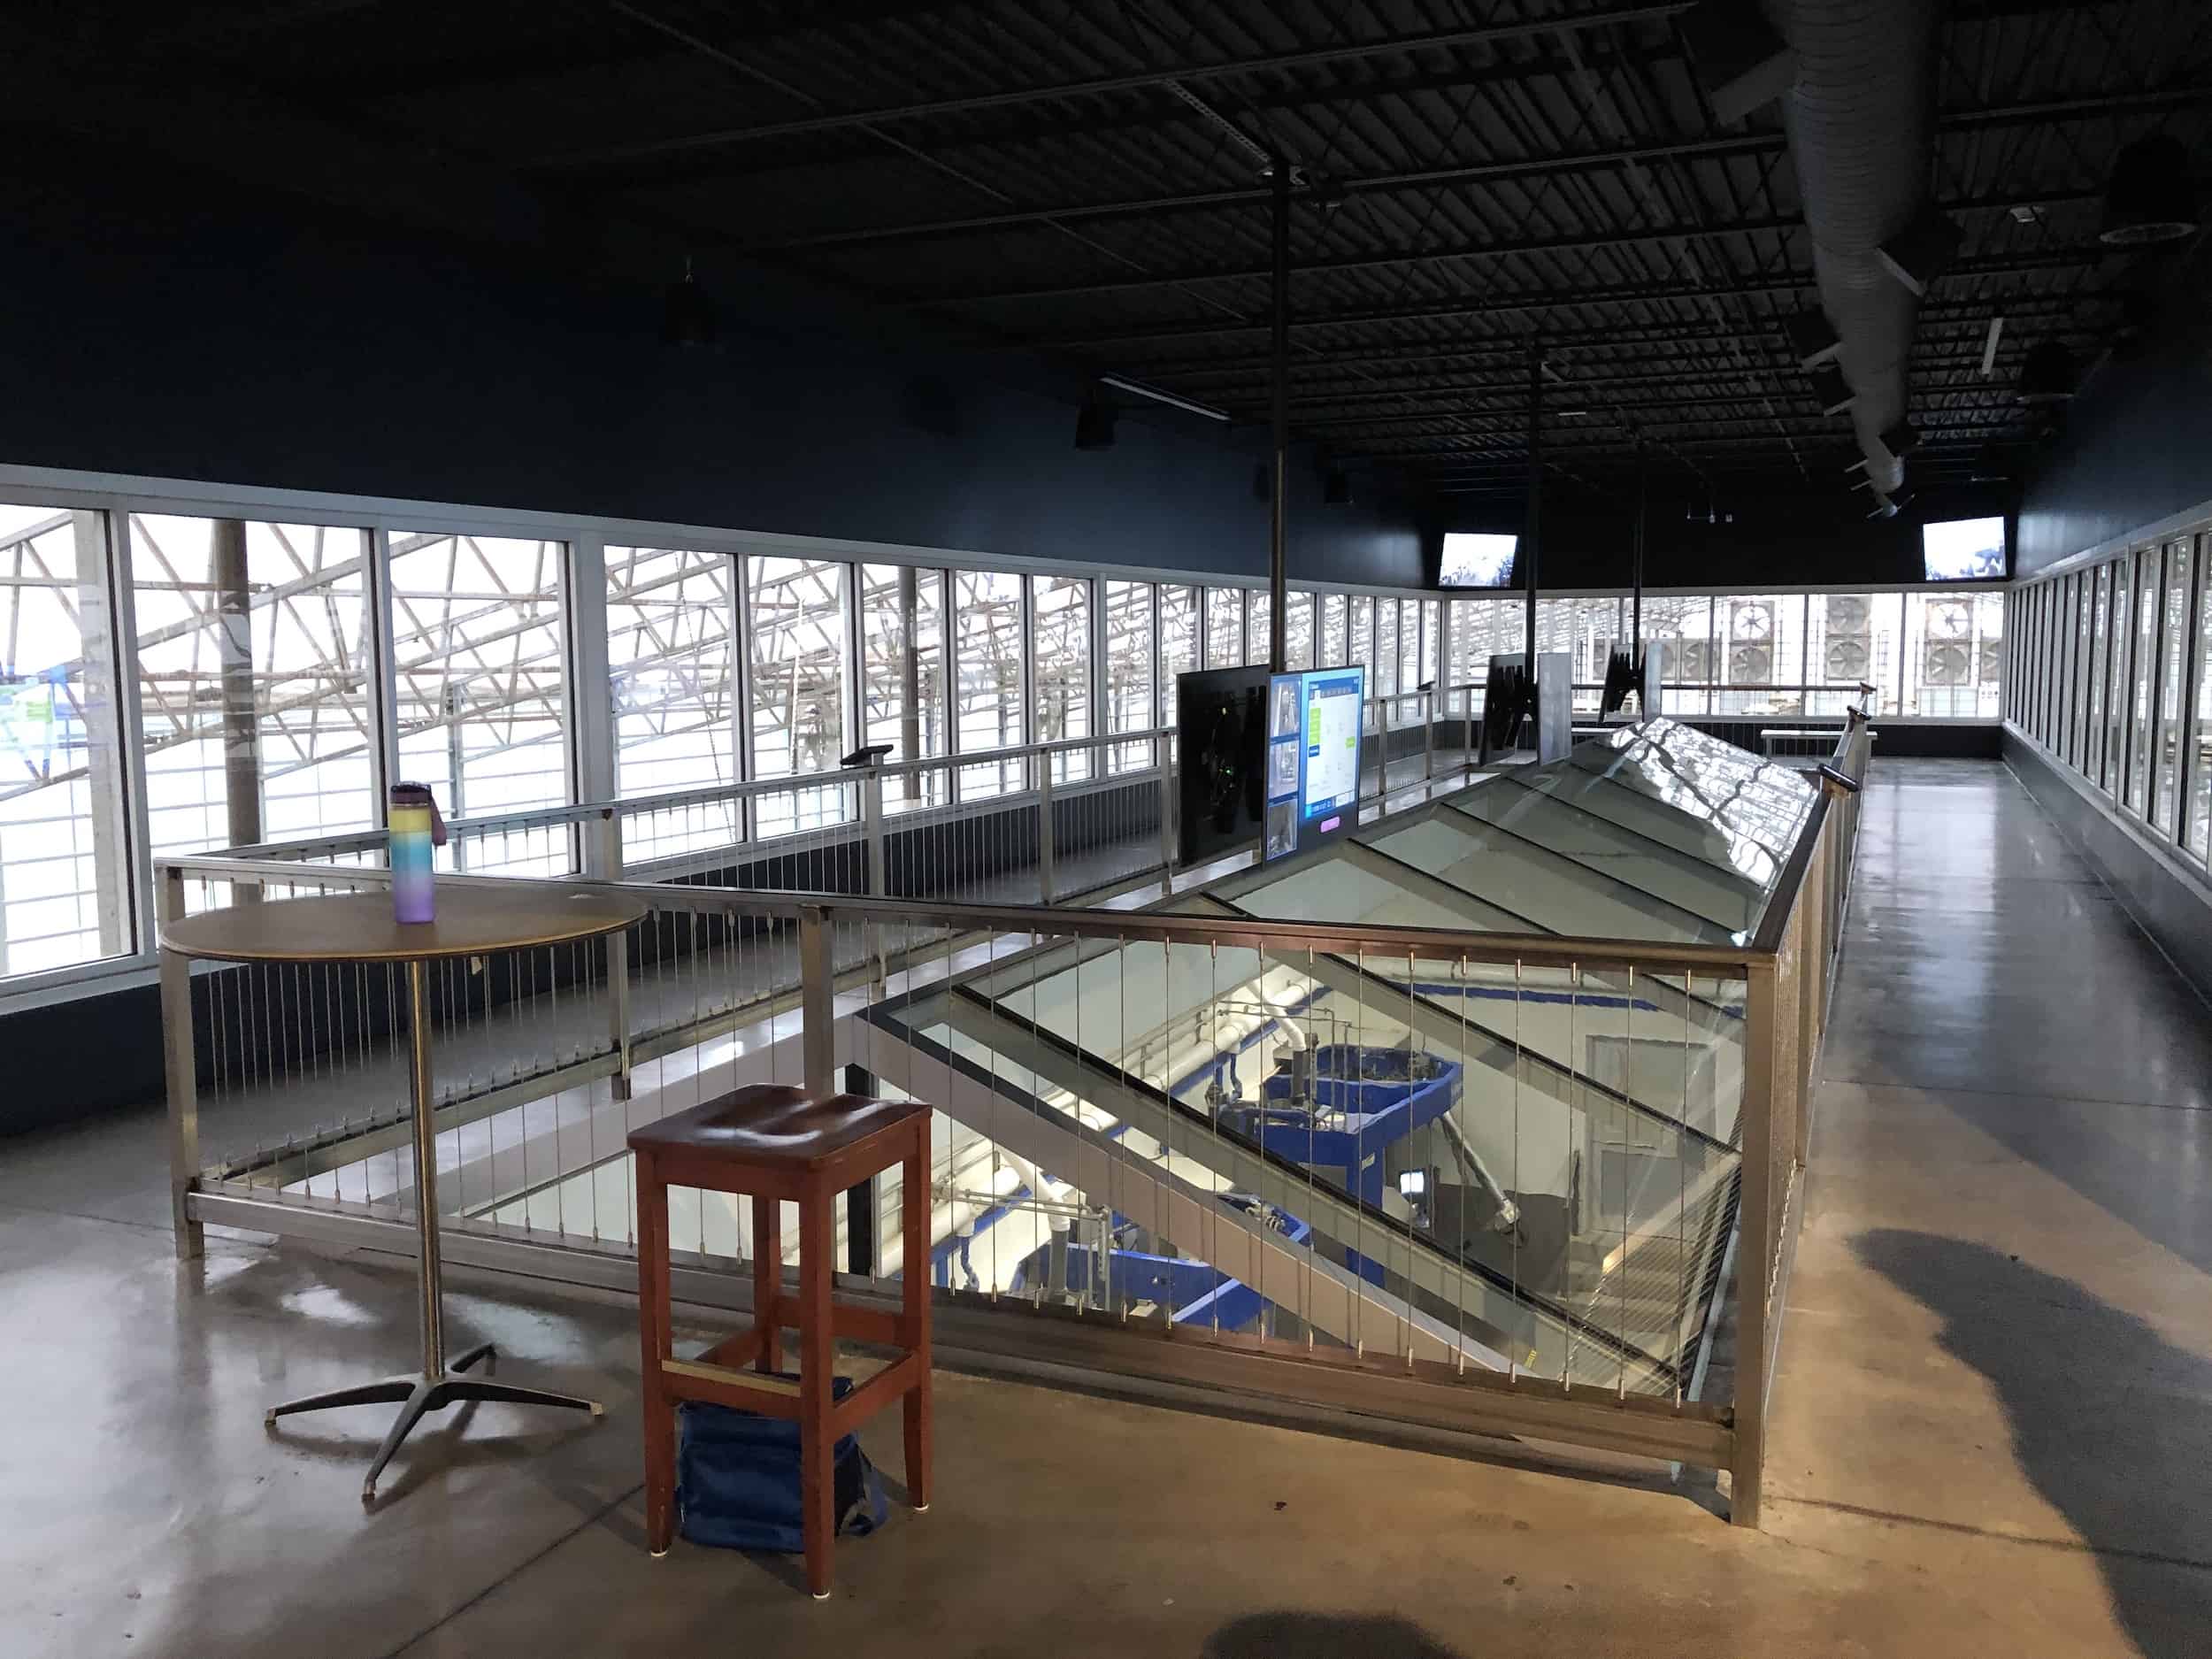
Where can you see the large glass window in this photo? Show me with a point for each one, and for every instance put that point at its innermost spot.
(1385, 674)
(1851, 641)
(63, 877)
(796, 609)
(480, 663)
(671, 631)
(903, 674)
(1178, 644)
(253, 662)
(1225, 627)
(1334, 608)
(1131, 653)
(1488, 628)
(2085, 642)
(2196, 745)
(1298, 633)
(2142, 679)
(2098, 612)
(1063, 691)
(1360, 646)
(987, 623)
(1410, 671)
(1586, 630)
(1761, 653)
(1954, 656)
(2120, 633)
(2172, 688)
(1257, 611)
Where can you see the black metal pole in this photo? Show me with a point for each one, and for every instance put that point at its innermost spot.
(1532, 526)
(1279, 352)
(1636, 560)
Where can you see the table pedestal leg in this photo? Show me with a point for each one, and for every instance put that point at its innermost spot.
(438, 1385)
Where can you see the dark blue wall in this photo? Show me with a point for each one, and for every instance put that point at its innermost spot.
(2136, 446)
(164, 323)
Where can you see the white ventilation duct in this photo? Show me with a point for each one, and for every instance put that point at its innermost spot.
(1861, 123)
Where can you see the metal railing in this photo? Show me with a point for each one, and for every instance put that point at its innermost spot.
(1105, 1197)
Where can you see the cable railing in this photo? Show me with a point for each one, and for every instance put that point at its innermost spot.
(1486, 1181)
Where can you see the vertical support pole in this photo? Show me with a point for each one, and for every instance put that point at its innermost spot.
(426, 1125)
(593, 759)
(863, 1244)
(817, 1003)
(1162, 751)
(871, 830)
(603, 860)
(1043, 761)
(1428, 734)
(1812, 979)
(233, 649)
(910, 677)
(1278, 371)
(109, 703)
(1636, 568)
(1755, 1244)
(1532, 518)
(742, 689)
(381, 654)
(180, 1068)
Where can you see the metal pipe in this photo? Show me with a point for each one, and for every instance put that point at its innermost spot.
(1533, 516)
(1636, 562)
(234, 644)
(425, 1140)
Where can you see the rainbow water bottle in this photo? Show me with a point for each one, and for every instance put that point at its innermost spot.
(414, 828)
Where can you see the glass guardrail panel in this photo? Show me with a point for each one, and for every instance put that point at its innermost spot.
(1646, 816)
(1552, 892)
(1600, 844)
(1703, 778)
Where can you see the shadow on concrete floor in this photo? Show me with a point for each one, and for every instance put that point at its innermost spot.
(2110, 1422)
(1321, 1636)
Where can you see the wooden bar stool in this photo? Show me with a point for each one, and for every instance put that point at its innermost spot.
(775, 1144)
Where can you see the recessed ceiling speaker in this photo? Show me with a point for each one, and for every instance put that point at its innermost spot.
(1095, 425)
(1921, 252)
(1833, 391)
(1740, 62)
(2047, 374)
(1812, 337)
(2150, 199)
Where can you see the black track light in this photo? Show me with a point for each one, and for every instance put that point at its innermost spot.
(2150, 197)
(688, 317)
(1095, 425)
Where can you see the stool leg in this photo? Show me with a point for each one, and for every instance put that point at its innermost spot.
(817, 1361)
(658, 1412)
(914, 1280)
(767, 1278)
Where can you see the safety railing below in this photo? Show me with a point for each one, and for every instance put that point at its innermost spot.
(1399, 1171)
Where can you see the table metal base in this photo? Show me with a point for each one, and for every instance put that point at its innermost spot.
(416, 1395)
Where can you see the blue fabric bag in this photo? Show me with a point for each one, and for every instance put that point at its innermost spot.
(737, 1479)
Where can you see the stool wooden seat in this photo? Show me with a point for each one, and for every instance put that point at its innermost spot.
(779, 1145)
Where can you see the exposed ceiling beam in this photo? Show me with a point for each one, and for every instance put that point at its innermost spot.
(1145, 80)
(1718, 147)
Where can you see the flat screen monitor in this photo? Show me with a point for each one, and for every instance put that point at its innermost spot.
(1472, 560)
(1963, 550)
(1314, 720)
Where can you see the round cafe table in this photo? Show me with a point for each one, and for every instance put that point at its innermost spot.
(359, 927)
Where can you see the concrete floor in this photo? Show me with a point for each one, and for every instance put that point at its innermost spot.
(1994, 1422)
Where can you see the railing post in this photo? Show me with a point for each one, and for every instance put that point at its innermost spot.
(180, 1067)
(603, 861)
(1754, 1245)
(1428, 734)
(817, 1003)
(872, 832)
(1043, 759)
(1165, 760)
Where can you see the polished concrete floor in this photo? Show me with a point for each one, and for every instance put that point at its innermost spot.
(1993, 1426)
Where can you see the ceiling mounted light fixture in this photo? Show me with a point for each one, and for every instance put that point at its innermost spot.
(688, 316)
(1122, 383)
(2150, 199)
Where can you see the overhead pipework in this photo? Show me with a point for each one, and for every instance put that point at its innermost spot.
(1860, 118)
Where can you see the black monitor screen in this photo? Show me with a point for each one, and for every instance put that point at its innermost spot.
(1477, 560)
(1963, 550)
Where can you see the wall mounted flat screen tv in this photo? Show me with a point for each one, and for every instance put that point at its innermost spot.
(1476, 560)
(1963, 550)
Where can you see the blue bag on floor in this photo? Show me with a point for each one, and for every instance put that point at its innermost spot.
(737, 1479)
